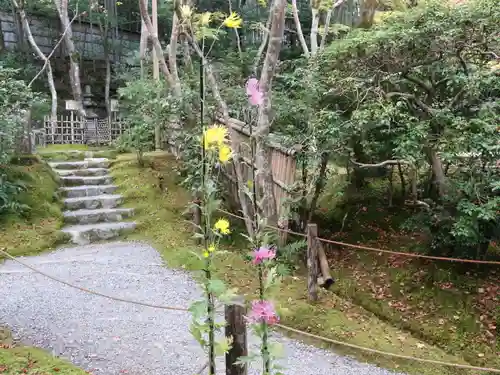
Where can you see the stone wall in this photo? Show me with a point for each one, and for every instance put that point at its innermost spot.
(87, 38)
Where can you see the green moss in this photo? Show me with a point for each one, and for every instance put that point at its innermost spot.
(437, 302)
(16, 360)
(74, 152)
(160, 204)
(38, 228)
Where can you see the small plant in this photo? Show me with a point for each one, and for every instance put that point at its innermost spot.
(139, 139)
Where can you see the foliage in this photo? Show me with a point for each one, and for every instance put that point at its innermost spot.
(141, 115)
(15, 99)
(31, 221)
(420, 88)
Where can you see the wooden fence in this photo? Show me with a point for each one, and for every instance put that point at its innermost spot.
(283, 167)
(72, 129)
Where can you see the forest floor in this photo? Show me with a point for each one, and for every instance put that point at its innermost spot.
(18, 359)
(453, 306)
(160, 211)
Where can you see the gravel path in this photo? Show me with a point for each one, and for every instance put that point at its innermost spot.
(108, 337)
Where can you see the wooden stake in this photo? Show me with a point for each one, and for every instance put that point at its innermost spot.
(326, 279)
(312, 262)
(236, 331)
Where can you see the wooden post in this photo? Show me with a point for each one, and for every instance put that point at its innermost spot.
(312, 262)
(326, 279)
(72, 124)
(236, 331)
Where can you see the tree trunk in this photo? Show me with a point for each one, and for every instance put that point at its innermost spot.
(314, 29)
(403, 182)
(41, 55)
(175, 86)
(263, 157)
(439, 179)
(298, 26)
(142, 48)
(74, 68)
(320, 184)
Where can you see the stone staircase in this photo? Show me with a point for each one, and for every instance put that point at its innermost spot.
(91, 204)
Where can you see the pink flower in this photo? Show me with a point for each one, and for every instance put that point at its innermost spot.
(263, 312)
(255, 97)
(263, 253)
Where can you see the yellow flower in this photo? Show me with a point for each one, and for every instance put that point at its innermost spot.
(205, 18)
(214, 136)
(205, 254)
(224, 153)
(222, 225)
(211, 248)
(233, 21)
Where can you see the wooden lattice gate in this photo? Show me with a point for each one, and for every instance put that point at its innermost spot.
(73, 129)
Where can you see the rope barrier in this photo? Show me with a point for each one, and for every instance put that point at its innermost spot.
(368, 248)
(290, 329)
(375, 351)
(91, 291)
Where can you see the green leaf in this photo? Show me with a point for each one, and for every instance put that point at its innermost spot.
(223, 345)
(216, 287)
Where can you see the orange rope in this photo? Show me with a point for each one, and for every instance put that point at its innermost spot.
(368, 248)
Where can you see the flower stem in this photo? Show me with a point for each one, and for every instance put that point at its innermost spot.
(210, 320)
(266, 360)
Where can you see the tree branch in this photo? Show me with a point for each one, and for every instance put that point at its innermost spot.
(427, 88)
(55, 47)
(158, 49)
(327, 23)
(417, 101)
(263, 44)
(381, 164)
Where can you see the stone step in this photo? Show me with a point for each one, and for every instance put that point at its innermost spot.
(87, 163)
(84, 216)
(88, 233)
(93, 202)
(87, 190)
(86, 180)
(82, 172)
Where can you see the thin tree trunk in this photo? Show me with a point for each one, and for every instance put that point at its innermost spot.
(438, 172)
(263, 157)
(298, 26)
(159, 50)
(391, 185)
(327, 23)
(172, 50)
(403, 181)
(143, 47)
(50, 77)
(263, 43)
(314, 28)
(320, 184)
(74, 68)
(188, 64)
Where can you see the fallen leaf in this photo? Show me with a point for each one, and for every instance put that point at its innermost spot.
(420, 345)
